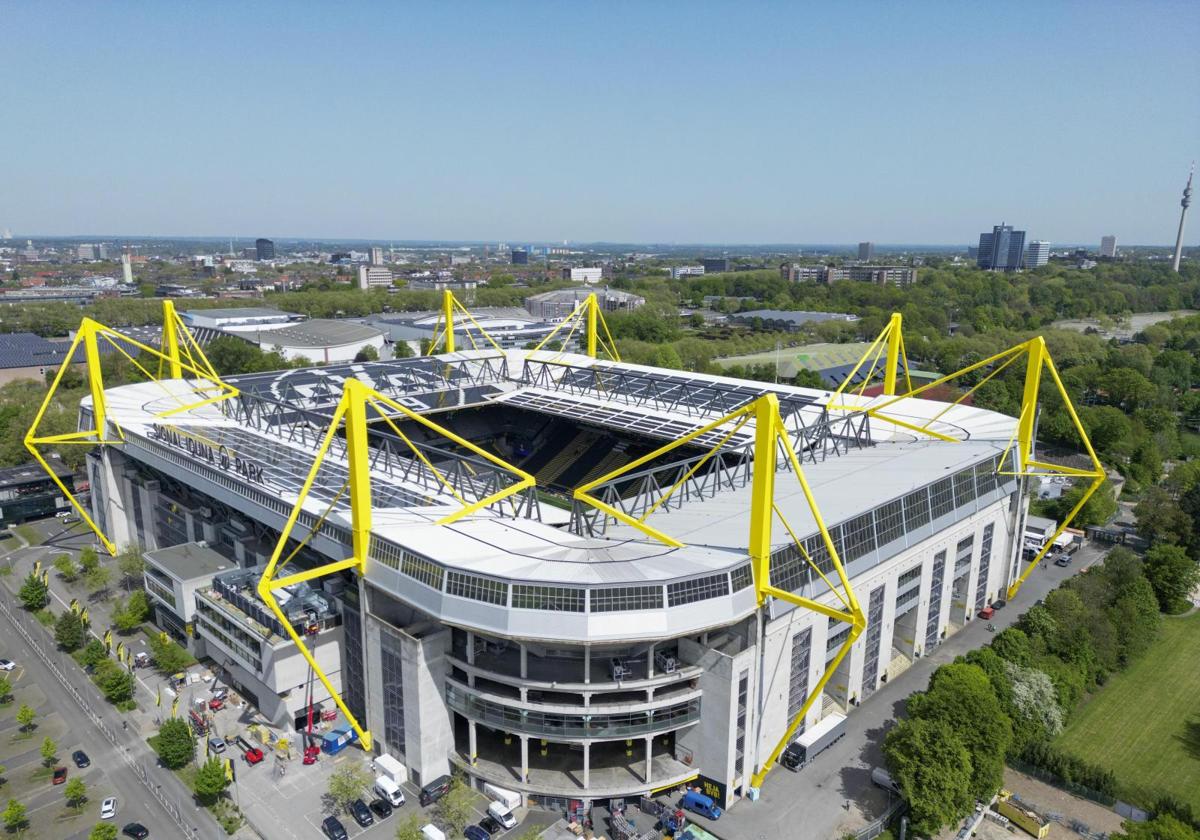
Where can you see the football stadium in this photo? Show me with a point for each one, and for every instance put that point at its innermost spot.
(555, 572)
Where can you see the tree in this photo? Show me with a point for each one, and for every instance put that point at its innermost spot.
(66, 567)
(347, 784)
(1173, 575)
(97, 578)
(115, 682)
(69, 631)
(1160, 519)
(5, 689)
(211, 780)
(131, 564)
(1012, 644)
(26, 717)
(401, 350)
(1162, 827)
(93, 653)
(454, 808)
(1034, 699)
(88, 560)
(128, 615)
(76, 793)
(929, 762)
(1098, 509)
(368, 353)
(103, 831)
(34, 594)
(49, 751)
(410, 829)
(175, 743)
(14, 816)
(169, 657)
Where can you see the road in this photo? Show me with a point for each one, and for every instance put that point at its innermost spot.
(835, 793)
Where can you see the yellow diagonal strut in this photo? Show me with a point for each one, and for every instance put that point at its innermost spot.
(352, 412)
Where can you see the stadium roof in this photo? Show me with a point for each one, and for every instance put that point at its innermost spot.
(320, 332)
(24, 349)
(238, 312)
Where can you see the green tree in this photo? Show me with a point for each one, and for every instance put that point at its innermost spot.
(66, 567)
(69, 631)
(131, 564)
(103, 831)
(115, 682)
(1162, 827)
(410, 829)
(1098, 509)
(34, 594)
(211, 780)
(175, 743)
(129, 614)
(1160, 519)
(26, 717)
(93, 653)
(76, 793)
(347, 783)
(14, 816)
(5, 689)
(1173, 575)
(367, 354)
(401, 350)
(929, 762)
(454, 808)
(88, 560)
(49, 751)
(97, 578)
(169, 657)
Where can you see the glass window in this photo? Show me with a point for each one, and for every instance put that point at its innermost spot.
(964, 487)
(916, 509)
(697, 589)
(477, 588)
(741, 577)
(889, 521)
(554, 598)
(858, 537)
(941, 497)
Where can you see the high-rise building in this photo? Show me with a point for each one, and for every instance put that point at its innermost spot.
(866, 251)
(1038, 254)
(264, 249)
(715, 265)
(374, 276)
(127, 269)
(519, 256)
(1108, 247)
(92, 251)
(376, 255)
(1185, 204)
(583, 275)
(1001, 250)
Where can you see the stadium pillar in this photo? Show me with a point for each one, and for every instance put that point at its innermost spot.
(170, 340)
(95, 377)
(592, 306)
(358, 454)
(766, 415)
(1033, 380)
(448, 318)
(893, 354)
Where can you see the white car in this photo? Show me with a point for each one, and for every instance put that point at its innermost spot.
(108, 808)
(7, 665)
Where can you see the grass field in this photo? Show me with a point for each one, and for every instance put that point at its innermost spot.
(1144, 725)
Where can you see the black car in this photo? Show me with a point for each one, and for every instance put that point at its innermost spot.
(999, 605)
(492, 826)
(136, 830)
(333, 828)
(435, 790)
(792, 757)
(382, 808)
(81, 759)
(361, 813)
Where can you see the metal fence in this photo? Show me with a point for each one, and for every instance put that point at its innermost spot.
(874, 829)
(18, 619)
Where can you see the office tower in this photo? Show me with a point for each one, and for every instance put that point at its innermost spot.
(1038, 254)
(716, 265)
(264, 249)
(1001, 250)
(126, 269)
(372, 276)
(1108, 247)
(519, 256)
(376, 255)
(866, 251)
(1185, 204)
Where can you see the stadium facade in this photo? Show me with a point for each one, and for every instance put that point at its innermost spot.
(541, 643)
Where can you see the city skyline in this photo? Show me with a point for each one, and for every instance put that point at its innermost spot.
(630, 126)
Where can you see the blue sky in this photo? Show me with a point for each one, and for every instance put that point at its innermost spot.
(918, 122)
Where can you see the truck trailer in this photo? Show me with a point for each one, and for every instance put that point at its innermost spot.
(813, 741)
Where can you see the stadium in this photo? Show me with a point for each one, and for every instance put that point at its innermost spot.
(563, 575)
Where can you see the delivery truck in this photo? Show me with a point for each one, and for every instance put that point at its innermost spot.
(815, 740)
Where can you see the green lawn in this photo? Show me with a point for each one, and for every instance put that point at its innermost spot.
(1144, 725)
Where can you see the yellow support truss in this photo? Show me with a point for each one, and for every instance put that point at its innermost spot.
(588, 315)
(443, 331)
(179, 353)
(352, 414)
(1037, 360)
(889, 345)
(770, 437)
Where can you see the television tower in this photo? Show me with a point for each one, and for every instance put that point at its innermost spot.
(1185, 204)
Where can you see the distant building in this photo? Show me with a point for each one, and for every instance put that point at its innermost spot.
(376, 255)
(1038, 254)
(508, 326)
(247, 319)
(678, 271)
(583, 275)
(27, 493)
(320, 340)
(264, 249)
(883, 275)
(518, 256)
(374, 276)
(440, 284)
(126, 269)
(786, 319)
(715, 265)
(92, 251)
(554, 306)
(1001, 250)
(796, 273)
(1108, 247)
(866, 251)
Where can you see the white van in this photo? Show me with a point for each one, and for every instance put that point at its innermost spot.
(432, 832)
(388, 790)
(502, 814)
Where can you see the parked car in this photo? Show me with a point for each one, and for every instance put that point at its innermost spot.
(698, 803)
(60, 776)
(435, 790)
(361, 813)
(474, 832)
(7, 664)
(136, 830)
(381, 808)
(108, 808)
(334, 829)
(987, 612)
(490, 825)
(216, 745)
(81, 759)
(1063, 561)
(999, 605)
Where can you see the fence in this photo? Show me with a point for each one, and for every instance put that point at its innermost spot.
(18, 621)
(870, 832)
(1054, 780)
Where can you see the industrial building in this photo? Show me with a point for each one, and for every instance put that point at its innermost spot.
(532, 606)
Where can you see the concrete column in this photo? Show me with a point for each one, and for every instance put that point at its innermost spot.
(524, 755)
(474, 752)
(524, 663)
(587, 663)
(649, 756)
(587, 755)
(650, 661)
(471, 648)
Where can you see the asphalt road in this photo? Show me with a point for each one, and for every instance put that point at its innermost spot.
(835, 794)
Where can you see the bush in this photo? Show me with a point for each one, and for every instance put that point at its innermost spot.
(1044, 756)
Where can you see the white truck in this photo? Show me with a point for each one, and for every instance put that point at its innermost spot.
(510, 798)
(387, 765)
(813, 741)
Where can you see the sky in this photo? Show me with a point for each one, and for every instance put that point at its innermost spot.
(663, 122)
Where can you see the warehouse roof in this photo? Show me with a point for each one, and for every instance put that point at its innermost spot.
(24, 349)
(320, 332)
(238, 312)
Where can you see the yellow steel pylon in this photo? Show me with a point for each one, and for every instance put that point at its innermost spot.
(351, 412)
(770, 436)
(443, 331)
(586, 314)
(889, 345)
(184, 360)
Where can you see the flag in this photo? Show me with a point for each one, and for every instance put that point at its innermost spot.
(163, 637)
(108, 639)
(175, 706)
(83, 616)
(74, 605)
(46, 578)
(158, 696)
(229, 769)
(120, 650)
(37, 568)
(206, 749)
